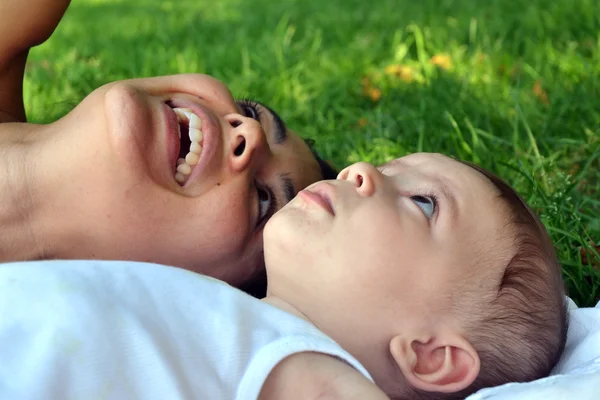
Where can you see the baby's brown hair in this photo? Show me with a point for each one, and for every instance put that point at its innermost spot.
(521, 330)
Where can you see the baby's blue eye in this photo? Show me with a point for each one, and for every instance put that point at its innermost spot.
(426, 204)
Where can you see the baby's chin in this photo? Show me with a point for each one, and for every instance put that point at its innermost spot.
(280, 228)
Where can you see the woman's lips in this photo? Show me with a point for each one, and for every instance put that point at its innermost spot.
(319, 198)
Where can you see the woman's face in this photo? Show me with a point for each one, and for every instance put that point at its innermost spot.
(205, 214)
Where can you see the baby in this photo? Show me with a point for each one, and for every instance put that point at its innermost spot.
(433, 273)
(425, 278)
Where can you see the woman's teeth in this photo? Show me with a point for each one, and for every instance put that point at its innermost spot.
(186, 165)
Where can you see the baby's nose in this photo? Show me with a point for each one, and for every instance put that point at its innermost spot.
(363, 175)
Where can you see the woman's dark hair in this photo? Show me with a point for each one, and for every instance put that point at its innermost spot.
(257, 286)
(327, 171)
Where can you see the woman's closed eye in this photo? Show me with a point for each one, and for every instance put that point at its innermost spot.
(250, 109)
(267, 203)
(427, 204)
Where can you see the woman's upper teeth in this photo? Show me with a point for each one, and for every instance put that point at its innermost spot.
(187, 116)
(187, 164)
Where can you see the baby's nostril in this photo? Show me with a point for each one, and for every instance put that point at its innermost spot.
(239, 150)
(359, 180)
(235, 123)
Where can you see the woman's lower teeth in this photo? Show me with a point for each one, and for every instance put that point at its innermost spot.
(186, 165)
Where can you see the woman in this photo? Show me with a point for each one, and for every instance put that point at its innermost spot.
(170, 169)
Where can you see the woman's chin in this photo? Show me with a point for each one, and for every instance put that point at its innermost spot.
(136, 130)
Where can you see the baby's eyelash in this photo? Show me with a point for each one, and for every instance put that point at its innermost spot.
(431, 195)
(435, 198)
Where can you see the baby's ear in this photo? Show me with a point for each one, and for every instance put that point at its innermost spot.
(445, 364)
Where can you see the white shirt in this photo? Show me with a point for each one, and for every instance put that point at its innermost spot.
(128, 330)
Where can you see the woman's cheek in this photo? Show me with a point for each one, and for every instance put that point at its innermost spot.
(228, 235)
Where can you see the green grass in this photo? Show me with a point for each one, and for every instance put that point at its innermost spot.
(516, 88)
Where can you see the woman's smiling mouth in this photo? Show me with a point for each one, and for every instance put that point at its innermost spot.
(192, 130)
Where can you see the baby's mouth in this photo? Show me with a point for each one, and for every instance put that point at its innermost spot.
(190, 148)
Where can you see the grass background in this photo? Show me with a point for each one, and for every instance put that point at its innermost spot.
(511, 85)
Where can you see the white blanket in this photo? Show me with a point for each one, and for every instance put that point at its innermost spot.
(577, 375)
(162, 296)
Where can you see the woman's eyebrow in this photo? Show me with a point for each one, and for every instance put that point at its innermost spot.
(289, 192)
(279, 128)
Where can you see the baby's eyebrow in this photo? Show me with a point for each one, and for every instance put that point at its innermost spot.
(446, 193)
(389, 164)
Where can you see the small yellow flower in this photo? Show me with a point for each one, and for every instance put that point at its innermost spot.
(369, 89)
(373, 93)
(362, 122)
(404, 72)
(393, 69)
(441, 60)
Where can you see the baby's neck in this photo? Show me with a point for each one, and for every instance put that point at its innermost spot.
(284, 305)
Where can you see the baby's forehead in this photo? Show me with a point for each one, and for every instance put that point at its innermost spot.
(439, 167)
(416, 159)
(431, 167)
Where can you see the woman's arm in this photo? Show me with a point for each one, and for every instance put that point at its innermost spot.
(23, 24)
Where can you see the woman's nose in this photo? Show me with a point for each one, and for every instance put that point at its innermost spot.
(363, 175)
(249, 146)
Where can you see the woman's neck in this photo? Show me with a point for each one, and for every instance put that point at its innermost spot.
(31, 222)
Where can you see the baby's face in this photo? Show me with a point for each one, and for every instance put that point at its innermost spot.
(377, 251)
